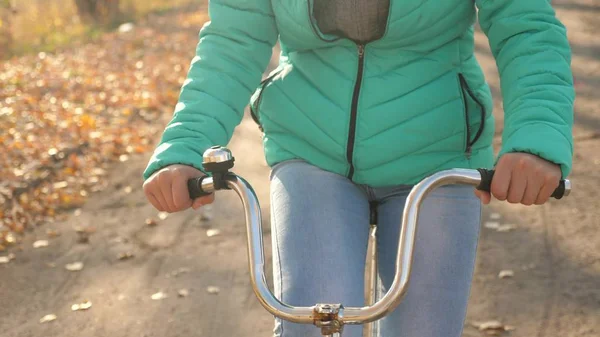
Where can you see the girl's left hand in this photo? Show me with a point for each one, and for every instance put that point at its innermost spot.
(522, 178)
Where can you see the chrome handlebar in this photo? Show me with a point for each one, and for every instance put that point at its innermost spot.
(345, 315)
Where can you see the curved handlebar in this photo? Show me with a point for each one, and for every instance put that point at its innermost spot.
(348, 315)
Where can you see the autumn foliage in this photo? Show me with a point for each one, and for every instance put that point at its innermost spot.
(65, 117)
(46, 25)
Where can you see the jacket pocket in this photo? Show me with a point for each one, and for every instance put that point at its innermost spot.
(255, 106)
(474, 115)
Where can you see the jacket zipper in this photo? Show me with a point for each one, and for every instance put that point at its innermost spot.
(469, 143)
(354, 110)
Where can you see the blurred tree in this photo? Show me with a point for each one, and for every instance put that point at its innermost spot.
(98, 11)
(7, 11)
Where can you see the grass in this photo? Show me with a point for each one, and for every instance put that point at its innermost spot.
(46, 25)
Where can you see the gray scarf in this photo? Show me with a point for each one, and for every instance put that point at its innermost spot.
(358, 20)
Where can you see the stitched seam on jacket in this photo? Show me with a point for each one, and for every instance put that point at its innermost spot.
(299, 136)
(409, 119)
(306, 115)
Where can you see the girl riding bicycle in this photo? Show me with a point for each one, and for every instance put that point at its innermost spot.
(369, 98)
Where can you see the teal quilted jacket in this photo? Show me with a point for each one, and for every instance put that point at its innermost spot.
(386, 113)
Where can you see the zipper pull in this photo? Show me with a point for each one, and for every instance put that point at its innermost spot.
(361, 50)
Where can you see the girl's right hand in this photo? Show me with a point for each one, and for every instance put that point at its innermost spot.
(167, 189)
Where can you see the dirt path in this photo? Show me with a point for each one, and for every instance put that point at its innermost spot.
(554, 250)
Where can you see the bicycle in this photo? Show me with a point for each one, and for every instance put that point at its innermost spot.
(331, 318)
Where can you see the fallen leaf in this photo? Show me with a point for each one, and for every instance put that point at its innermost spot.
(159, 296)
(126, 27)
(126, 256)
(491, 224)
(98, 171)
(75, 266)
(10, 239)
(81, 306)
(498, 227)
(506, 274)
(495, 216)
(183, 292)
(51, 233)
(60, 184)
(212, 232)
(213, 290)
(48, 318)
(163, 215)
(178, 272)
(506, 228)
(40, 243)
(492, 327)
(7, 259)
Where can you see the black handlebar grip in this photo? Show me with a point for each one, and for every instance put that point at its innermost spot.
(195, 188)
(486, 180)
(488, 175)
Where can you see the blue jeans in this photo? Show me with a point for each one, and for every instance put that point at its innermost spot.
(320, 224)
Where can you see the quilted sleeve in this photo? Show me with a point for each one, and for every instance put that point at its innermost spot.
(533, 57)
(234, 50)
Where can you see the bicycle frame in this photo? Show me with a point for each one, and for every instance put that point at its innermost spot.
(331, 318)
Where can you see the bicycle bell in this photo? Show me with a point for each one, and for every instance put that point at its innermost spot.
(217, 159)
